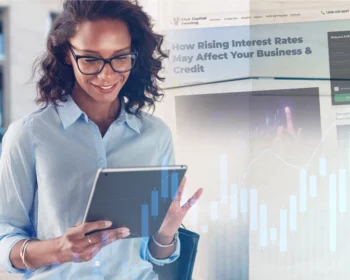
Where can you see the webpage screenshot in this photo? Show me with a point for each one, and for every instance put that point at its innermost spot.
(339, 65)
(258, 108)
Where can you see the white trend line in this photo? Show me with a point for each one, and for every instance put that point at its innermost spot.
(268, 151)
(279, 158)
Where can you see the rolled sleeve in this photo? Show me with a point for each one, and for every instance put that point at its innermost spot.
(146, 254)
(6, 247)
(17, 183)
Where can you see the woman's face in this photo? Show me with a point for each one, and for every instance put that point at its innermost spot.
(105, 39)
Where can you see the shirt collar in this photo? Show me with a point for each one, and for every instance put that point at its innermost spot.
(133, 121)
(69, 113)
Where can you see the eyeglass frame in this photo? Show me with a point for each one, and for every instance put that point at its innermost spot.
(105, 61)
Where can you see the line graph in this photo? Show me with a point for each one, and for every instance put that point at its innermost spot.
(245, 200)
(293, 205)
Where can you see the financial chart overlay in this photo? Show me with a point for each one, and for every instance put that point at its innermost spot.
(279, 236)
(274, 206)
(246, 200)
(169, 183)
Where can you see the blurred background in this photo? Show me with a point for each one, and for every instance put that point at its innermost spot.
(24, 26)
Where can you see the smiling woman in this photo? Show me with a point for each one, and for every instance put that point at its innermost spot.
(98, 73)
(93, 34)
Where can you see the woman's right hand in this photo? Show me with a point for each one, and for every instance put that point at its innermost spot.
(74, 246)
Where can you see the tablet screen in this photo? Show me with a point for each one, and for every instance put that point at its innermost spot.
(136, 198)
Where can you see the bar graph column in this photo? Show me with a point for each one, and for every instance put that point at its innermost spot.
(223, 179)
(154, 204)
(303, 191)
(263, 225)
(144, 221)
(342, 190)
(214, 211)
(234, 202)
(332, 212)
(283, 230)
(253, 211)
(293, 213)
(165, 184)
(323, 167)
(313, 186)
(243, 200)
(174, 184)
(273, 234)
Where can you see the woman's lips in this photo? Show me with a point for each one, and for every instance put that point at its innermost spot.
(106, 89)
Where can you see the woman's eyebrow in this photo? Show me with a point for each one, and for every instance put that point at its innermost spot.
(96, 52)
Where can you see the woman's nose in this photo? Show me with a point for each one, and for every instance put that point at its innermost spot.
(107, 72)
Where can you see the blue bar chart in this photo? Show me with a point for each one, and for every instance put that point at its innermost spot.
(313, 186)
(154, 203)
(303, 191)
(253, 209)
(293, 213)
(245, 201)
(161, 196)
(144, 215)
(223, 178)
(323, 167)
(332, 212)
(174, 184)
(283, 230)
(263, 225)
(342, 190)
(165, 184)
(273, 234)
(274, 229)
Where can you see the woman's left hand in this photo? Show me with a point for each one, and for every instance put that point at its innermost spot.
(177, 213)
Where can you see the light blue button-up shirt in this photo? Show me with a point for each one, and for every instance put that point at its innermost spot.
(47, 168)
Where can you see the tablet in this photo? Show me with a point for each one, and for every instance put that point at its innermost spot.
(136, 198)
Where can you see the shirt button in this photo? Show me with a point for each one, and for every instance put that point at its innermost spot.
(101, 161)
(97, 263)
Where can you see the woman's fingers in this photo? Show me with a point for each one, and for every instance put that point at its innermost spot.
(75, 246)
(78, 224)
(106, 235)
(289, 117)
(180, 190)
(116, 234)
(93, 243)
(90, 252)
(191, 201)
(83, 228)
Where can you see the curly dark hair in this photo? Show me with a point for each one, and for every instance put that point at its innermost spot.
(56, 79)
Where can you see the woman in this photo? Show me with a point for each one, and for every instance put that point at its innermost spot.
(101, 68)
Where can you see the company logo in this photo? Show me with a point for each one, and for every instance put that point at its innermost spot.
(187, 20)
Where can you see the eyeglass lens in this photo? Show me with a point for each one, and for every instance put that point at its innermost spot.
(122, 63)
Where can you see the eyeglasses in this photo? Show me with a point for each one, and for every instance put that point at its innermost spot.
(91, 65)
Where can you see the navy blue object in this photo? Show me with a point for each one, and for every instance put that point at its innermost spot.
(182, 268)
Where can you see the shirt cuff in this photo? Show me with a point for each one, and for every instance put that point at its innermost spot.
(6, 246)
(173, 257)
